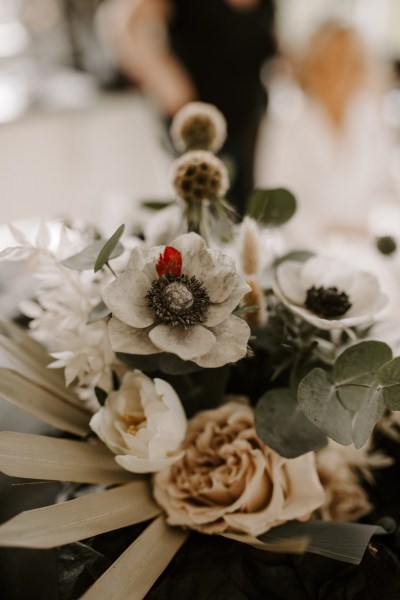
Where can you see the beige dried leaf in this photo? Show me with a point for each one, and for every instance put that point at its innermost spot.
(43, 404)
(40, 457)
(138, 568)
(80, 518)
(293, 546)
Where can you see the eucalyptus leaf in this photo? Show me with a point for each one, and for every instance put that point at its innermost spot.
(389, 379)
(366, 417)
(356, 367)
(108, 248)
(98, 312)
(320, 403)
(298, 255)
(282, 426)
(85, 260)
(271, 206)
(157, 204)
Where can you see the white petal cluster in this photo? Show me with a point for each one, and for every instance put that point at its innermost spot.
(63, 301)
(294, 279)
(220, 339)
(142, 423)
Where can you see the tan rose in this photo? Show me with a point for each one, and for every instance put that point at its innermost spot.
(228, 480)
(338, 467)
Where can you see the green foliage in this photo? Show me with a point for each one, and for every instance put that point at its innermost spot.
(157, 204)
(346, 403)
(272, 207)
(108, 248)
(85, 260)
(282, 426)
(98, 312)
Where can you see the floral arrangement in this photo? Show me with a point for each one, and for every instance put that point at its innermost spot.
(208, 382)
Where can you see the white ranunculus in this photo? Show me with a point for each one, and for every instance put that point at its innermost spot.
(183, 308)
(327, 293)
(143, 423)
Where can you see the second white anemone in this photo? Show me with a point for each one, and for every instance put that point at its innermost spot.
(327, 293)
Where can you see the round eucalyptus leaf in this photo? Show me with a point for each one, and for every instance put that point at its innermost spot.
(356, 368)
(271, 206)
(320, 403)
(282, 426)
(367, 416)
(389, 379)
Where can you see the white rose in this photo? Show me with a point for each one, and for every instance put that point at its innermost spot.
(143, 423)
(327, 293)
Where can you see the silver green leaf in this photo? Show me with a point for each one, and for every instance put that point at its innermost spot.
(282, 426)
(272, 207)
(389, 379)
(106, 252)
(357, 367)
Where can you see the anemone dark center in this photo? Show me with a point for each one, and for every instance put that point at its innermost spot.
(178, 297)
(178, 301)
(327, 302)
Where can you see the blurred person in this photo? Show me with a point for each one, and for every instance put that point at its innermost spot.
(208, 50)
(333, 151)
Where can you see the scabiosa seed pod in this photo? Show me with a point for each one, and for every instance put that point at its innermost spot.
(198, 126)
(199, 175)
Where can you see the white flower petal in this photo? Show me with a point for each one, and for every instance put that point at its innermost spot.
(175, 419)
(213, 268)
(288, 279)
(145, 260)
(130, 340)
(126, 298)
(232, 337)
(327, 272)
(364, 294)
(187, 344)
(135, 464)
(216, 313)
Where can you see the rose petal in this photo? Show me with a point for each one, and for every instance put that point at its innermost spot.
(126, 298)
(187, 344)
(232, 336)
(306, 491)
(135, 464)
(130, 340)
(216, 313)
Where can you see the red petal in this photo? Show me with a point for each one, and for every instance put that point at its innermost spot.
(169, 263)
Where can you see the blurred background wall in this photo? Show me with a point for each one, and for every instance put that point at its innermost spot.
(75, 135)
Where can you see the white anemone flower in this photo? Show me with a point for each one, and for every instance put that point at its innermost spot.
(143, 424)
(179, 299)
(329, 294)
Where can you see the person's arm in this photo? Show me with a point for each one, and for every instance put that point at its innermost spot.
(136, 34)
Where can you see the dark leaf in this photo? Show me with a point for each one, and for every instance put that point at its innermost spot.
(272, 206)
(101, 395)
